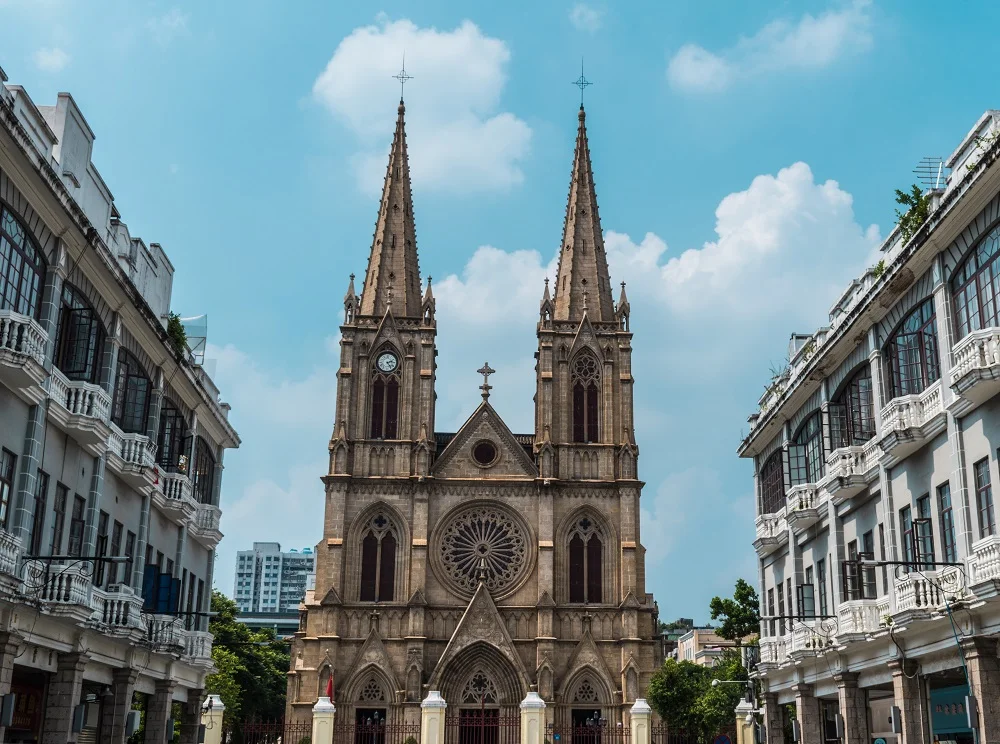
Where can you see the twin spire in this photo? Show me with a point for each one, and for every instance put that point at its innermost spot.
(392, 281)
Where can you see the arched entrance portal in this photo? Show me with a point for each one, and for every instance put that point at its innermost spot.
(483, 690)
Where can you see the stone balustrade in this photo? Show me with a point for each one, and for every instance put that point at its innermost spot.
(10, 553)
(118, 608)
(774, 649)
(912, 411)
(980, 350)
(859, 617)
(985, 560)
(803, 504)
(22, 338)
(927, 590)
(83, 399)
(60, 587)
(772, 532)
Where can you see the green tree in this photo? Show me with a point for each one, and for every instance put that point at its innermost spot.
(252, 665)
(682, 694)
(917, 205)
(740, 615)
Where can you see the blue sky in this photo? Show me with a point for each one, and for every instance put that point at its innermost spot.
(745, 156)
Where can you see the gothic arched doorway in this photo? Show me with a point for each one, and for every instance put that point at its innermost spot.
(483, 690)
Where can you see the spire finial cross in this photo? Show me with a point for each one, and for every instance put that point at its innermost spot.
(402, 77)
(486, 370)
(581, 82)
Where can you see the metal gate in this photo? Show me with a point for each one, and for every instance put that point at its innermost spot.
(483, 726)
(660, 735)
(267, 732)
(591, 733)
(374, 731)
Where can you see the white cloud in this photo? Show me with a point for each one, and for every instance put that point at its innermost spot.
(50, 59)
(812, 42)
(585, 18)
(459, 139)
(169, 26)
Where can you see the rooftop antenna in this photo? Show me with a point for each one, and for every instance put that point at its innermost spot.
(930, 172)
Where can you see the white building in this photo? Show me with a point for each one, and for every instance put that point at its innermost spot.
(880, 443)
(111, 444)
(269, 580)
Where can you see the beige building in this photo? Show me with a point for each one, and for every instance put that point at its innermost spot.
(874, 456)
(701, 646)
(482, 563)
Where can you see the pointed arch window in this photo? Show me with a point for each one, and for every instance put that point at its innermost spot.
(772, 484)
(385, 396)
(131, 394)
(79, 339)
(172, 444)
(852, 412)
(22, 267)
(805, 454)
(976, 287)
(586, 562)
(586, 380)
(378, 560)
(204, 471)
(912, 353)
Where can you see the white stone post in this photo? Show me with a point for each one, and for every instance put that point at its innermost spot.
(532, 719)
(431, 718)
(641, 718)
(744, 730)
(323, 714)
(211, 718)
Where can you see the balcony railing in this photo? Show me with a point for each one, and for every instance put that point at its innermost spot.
(803, 505)
(809, 639)
(196, 644)
(61, 588)
(132, 455)
(118, 608)
(22, 353)
(82, 407)
(774, 649)
(927, 590)
(10, 553)
(859, 617)
(909, 420)
(205, 524)
(976, 373)
(772, 532)
(985, 561)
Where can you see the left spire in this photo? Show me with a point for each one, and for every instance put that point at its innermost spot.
(393, 274)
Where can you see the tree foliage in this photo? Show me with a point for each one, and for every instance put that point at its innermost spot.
(681, 692)
(740, 615)
(176, 333)
(917, 205)
(252, 666)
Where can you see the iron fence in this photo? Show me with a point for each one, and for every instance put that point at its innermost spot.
(267, 732)
(374, 731)
(589, 733)
(483, 726)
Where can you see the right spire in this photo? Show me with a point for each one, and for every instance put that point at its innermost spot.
(582, 280)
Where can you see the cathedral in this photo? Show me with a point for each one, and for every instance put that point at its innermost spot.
(482, 563)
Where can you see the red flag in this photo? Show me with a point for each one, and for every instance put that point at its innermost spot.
(329, 687)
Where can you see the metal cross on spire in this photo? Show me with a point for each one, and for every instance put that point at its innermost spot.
(402, 77)
(581, 82)
(486, 370)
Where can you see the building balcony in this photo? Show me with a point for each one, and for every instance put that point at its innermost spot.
(196, 647)
(924, 594)
(204, 525)
(133, 457)
(975, 375)
(162, 633)
(810, 638)
(81, 409)
(910, 421)
(63, 589)
(805, 505)
(118, 610)
(859, 618)
(774, 650)
(772, 532)
(22, 356)
(984, 567)
(174, 496)
(850, 470)
(10, 559)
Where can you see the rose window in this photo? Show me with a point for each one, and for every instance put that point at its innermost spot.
(486, 542)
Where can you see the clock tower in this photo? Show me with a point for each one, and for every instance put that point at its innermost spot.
(385, 384)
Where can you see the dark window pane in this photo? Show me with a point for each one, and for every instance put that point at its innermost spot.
(579, 406)
(22, 269)
(576, 570)
(378, 408)
(391, 408)
(387, 568)
(594, 568)
(369, 567)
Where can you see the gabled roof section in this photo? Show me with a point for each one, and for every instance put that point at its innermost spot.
(393, 275)
(582, 281)
(512, 461)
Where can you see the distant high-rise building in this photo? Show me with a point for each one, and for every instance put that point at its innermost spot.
(269, 580)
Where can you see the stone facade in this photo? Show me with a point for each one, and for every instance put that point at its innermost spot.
(445, 562)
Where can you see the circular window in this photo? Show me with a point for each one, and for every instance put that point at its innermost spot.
(484, 453)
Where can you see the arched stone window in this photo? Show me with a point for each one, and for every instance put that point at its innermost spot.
(171, 444)
(385, 396)
(371, 692)
(852, 414)
(480, 690)
(586, 692)
(805, 455)
(131, 394)
(22, 267)
(975, 286)
(80, 338)
(204, 471)
(772, 484)
(586, 379)
(586, 562)
(378, 560)
(912, 362)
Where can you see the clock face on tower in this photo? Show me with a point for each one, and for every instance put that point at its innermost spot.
(387, 362)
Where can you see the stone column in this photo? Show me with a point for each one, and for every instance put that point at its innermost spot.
(853, 708)
(117, 706)
(909, 698)
(191, 717)
(93, 505)
(640, 717)
(807, 713)
(63, 697)
(532, 719)
(773, 723)
(158, 710)
(10, 644)
(212, 712)
(142, 539)
(22, 506)
(431, 719)
(324, 713)
(984, 683)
